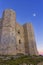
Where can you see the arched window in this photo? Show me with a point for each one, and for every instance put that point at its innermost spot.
(19, 41)
(18, 31)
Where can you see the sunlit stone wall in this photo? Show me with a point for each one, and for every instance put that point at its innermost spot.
(16, 38)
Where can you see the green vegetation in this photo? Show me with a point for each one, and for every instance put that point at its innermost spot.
(21, 59)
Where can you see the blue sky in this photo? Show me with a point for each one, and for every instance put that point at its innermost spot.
(25, 11)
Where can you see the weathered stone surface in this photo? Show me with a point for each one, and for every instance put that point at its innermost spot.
(30, 43)
(15, 38)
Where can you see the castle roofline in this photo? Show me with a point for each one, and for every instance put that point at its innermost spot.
(27, 23)
(9, 10)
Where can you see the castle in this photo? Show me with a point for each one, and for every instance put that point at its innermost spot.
(16, 38)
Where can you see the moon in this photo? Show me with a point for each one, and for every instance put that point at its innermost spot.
(34, 14)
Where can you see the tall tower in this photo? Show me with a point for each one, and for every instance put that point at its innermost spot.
(15, 38)
(8, 37)
(30, 43)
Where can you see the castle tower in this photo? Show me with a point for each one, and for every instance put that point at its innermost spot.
(20, 39)
(30, 43)
(16, 38)
(8, 37)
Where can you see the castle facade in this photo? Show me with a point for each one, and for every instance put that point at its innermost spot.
(16, 38)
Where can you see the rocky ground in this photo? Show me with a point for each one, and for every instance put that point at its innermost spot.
(21, 60)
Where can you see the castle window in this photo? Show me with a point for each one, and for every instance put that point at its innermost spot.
(18, 31)
(19, 41)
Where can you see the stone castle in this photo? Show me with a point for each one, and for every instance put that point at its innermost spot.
(16, 38)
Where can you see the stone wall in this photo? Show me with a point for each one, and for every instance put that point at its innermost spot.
(8, 39)
(0, 33)
(20, 39)
(30, 43)
(16, 38)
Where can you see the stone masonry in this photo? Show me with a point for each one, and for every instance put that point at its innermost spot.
(16, 38)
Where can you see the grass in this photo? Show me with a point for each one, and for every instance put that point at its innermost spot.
(22, 59)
